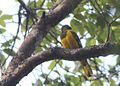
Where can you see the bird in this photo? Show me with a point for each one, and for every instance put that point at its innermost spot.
(70, 40)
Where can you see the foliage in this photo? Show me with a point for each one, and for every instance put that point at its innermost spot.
(91, 20)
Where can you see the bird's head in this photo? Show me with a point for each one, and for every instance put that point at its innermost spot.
(65, 27)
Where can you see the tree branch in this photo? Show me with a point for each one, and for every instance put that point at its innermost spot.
(39, 31)
(59, 53)
(27, 9)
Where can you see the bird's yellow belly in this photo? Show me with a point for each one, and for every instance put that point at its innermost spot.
(69, 41)
(65, 43)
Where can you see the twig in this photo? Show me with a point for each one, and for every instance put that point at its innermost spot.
(14, 40)
(109, 38)
(114, 20)
(40, 7)
(26, 26)
(103, 15)
(99, 12)
(54, 37)
(50, 72)
(27, 9)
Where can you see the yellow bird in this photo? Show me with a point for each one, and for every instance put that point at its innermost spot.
(69, 39)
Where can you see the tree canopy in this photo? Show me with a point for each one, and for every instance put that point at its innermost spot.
(96, 22)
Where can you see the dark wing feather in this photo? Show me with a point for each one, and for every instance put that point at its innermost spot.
(77, 39)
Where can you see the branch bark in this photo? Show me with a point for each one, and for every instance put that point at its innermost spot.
(59, 53)
(39, 31)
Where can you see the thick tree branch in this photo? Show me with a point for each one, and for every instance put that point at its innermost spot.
(60, 53)
(39, 31)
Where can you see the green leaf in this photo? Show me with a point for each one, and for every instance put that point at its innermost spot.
(60, 62)
(75, 80)
(97, 83)
(40, 12)
(49, 4)
(116, 34)
(30, 4)
(78, 10)
(2, 58)
(118, 60)
(2, 22)
(116, 23)
(100, 22)
(90, 41)
(2, 30)
(9, 51)
(80, 17)
(0, 12)
(43, 75)
(93, 16)
(52, 65)
(102, 36)
(112, 82)
(7, 43)
(77, 26)
(98, 60)
(39, 2)
(6, 17)
(91, 28)
(23, 26)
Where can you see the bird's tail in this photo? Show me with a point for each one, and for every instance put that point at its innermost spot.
(86, 67)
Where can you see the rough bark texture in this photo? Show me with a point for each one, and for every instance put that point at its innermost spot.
(39, 31)
(60, 53)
